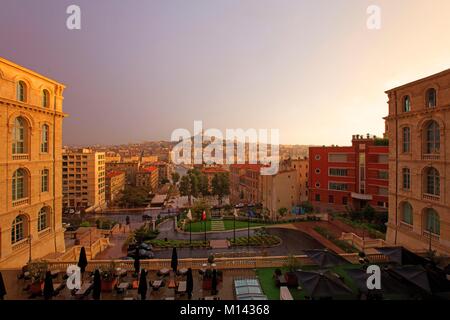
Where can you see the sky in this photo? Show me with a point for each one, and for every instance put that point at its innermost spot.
(137, 70)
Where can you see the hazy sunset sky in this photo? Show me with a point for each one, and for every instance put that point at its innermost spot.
(139, 69)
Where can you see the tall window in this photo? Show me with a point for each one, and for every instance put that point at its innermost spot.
(21, 91)
(19, 138)
(433, 138)
(43, 219)
(44, 180)
(45, 98)
(407, 213)
(432, 182)
(18, 229)
(19, 185)
(431, 98)
(432, 223)
(406, 178)
(406, 104)
(406, 139)
(44, 138)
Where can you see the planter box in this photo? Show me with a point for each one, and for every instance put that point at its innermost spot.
(108, 285)
(37, 288)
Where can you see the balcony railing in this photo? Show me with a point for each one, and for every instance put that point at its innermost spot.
(21, 202)
(21, 244)
(21, 156)
(433, 156)
(432, 197)
(434, 236)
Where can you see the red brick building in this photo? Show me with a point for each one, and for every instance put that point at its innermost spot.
(354, 176)
(244, 183)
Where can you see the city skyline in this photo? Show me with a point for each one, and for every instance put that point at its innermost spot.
(258, 66)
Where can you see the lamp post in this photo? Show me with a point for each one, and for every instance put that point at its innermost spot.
(248, 229)
(30, 237)
(190, 233)
(234, 229)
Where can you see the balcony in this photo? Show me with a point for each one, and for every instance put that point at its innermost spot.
(431, 156)
(432, 197)
(21, 156)
(434, 237)
(21, 202)
(361, 196)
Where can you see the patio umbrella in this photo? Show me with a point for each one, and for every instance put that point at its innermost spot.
(389, 284)
(49, 291)
(137, 262)
(82, 261)
(321, 284)
(325, 258)
(402, 256)
(97, 285)
(427, 279)
(214, 282)
(189, 283)
(142, 288)
(174, 262)
(2, 287)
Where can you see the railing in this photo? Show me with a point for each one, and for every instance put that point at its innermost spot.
(45, 232)
(434, 236)
(431, 156)
(21, 156)
(20, 245)
(405, 225)
(427, 196)
(200, 263)
(360, 243)
(20, 202)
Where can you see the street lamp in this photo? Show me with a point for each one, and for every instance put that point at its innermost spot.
(30, 237)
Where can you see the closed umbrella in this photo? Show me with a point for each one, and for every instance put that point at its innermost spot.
(325, 258)
(96, 290)
(49, 291)
(214, 282)
(322, 284)
(82, 261)
(189, 283)
(2, 287)
(142, 288)
(174, 262)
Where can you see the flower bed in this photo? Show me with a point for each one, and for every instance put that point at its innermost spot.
(256, 241)
(158, 243)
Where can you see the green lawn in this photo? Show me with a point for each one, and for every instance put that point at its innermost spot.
(272, 292)
(199, 226)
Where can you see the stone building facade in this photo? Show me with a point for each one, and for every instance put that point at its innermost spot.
(419, 164)
(31, 117)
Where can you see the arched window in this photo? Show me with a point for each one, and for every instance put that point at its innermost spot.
(432, 223)
(44, 139)
(44, 180)
(432, 181)
(406, 104)
(18, 229)
(43, 219)
(431, 98)
(45, 98)
(20, 134)
(407, 213)
(433, 138)
(406, 139)
(19, 185)
(21, 91)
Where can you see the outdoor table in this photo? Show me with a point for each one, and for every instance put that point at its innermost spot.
(183, 271)
(164, 271)
(84, 287)
(157, 284)
(182, 287)
(122, 287)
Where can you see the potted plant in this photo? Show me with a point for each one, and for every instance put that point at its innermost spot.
(37, 270)
(292, 265)
(109, 278)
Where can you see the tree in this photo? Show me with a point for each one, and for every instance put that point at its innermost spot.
(203, 184)
(175, 177)
(185, 188)
(134, 197)
(282, 211)
(220, 185)
(200, 206)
